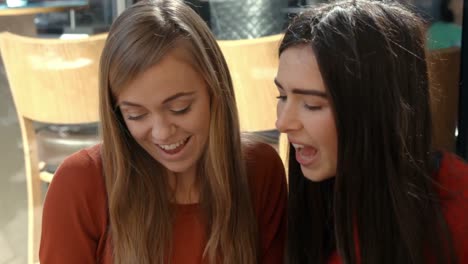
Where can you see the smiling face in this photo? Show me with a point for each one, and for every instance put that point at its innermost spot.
(305, 113)
(167, 111)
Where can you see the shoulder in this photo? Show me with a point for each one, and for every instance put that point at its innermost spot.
(261, 159)
(265, 171)
(82, 170)
(78, 186)
(452, 180)
(88, 158)
(453, 173)
(75, 205)
(267, 181)
(256, 149)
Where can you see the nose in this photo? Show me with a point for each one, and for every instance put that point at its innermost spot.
(162, 129)
(287, 118)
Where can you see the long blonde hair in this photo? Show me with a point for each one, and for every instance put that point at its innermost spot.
(139, 208)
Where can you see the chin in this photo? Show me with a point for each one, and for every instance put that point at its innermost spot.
(176, 169)
(179, 168)
(316, 176)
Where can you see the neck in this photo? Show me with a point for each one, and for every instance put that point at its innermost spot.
(184, 188)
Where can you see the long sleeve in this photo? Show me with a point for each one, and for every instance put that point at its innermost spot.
(268, 180)
(453, 178)
(75, 216)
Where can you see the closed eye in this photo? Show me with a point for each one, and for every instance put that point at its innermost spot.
(312, 107)
(281, 97)
(136, 117)
(181, 111)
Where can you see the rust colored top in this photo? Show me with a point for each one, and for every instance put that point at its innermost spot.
(75, 217)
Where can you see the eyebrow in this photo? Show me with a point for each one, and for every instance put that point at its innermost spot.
(303, 91)
(167, 100)
(177, 95)
(126, 103)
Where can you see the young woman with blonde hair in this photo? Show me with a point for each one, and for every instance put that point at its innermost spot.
(172, 182)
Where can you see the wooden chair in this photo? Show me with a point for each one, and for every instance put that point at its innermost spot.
(52, 81)
(444, 78)
(253, 64)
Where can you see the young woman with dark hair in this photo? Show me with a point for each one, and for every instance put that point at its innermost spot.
(365, 186)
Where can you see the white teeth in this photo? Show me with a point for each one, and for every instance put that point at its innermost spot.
(297, 146)
(173, 146)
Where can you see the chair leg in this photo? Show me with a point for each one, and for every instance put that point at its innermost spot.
(34, 234)
(33, 183)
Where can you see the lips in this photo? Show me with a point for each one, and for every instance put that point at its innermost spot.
(175, 147)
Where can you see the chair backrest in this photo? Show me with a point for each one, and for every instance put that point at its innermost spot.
(444, 78)
(253, 64)
(53, 80)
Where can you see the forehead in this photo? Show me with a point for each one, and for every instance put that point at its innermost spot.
(298, 68)
(174, 73)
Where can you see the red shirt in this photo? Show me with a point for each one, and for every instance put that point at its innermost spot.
(75, 214)
(453, 177)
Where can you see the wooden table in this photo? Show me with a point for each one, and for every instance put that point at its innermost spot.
(20, 20)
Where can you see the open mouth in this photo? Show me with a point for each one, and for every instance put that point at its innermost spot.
(305, 155)
(175, 147)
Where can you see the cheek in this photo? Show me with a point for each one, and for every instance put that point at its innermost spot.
(197, 121)
(137, 131)
(322, 129)
(333, 139)
(203, 121)
(203, 117)
(332, 142)
(329, 130)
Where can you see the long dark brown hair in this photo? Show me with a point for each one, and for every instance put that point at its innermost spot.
(381, 207)
(139, 208)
